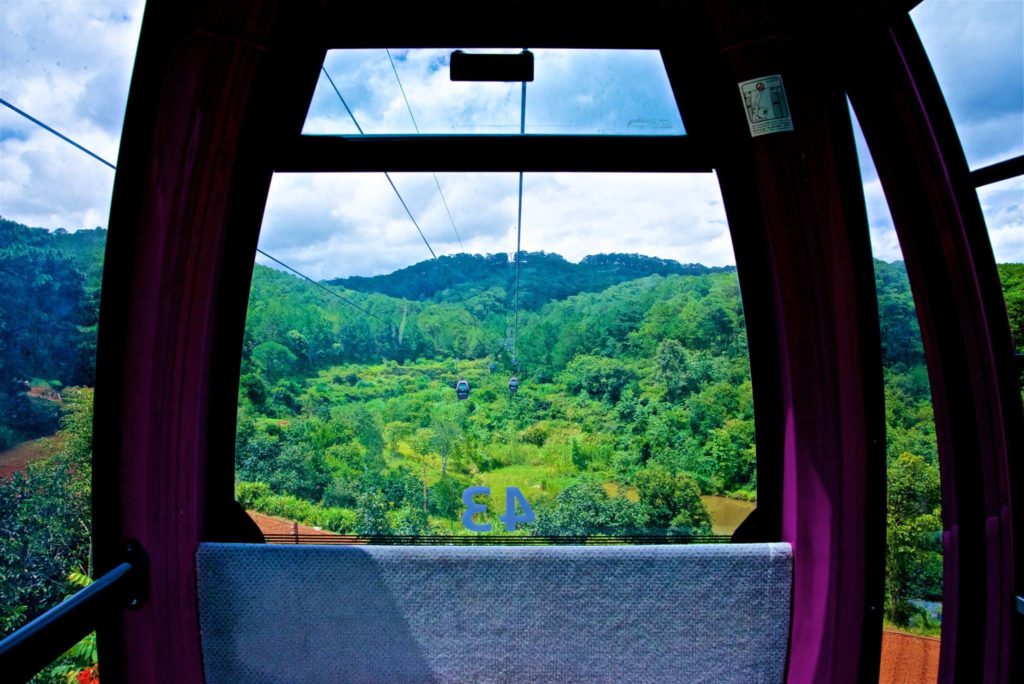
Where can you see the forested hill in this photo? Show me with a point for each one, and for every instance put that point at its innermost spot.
(48, 310)
(543, 276)
(84, 247)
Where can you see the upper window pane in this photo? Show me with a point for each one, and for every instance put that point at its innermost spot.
(574, 92)
(977, 52)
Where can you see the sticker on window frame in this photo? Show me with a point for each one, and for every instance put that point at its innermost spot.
(764, 101)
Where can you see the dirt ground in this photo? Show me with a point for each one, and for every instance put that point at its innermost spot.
(908, 659)
(270, 525)
(14, 460)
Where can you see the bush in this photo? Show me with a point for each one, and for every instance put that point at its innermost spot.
(672, 501)
(600, 377)
(537, 434)
(45, 521)
(257, 496)
(444, 498)
(249, 493)
(584, 508)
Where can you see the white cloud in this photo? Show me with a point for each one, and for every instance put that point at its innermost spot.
(69, 63)
(977, 51)
(596, 91)
(332, 225)
(1003, 205)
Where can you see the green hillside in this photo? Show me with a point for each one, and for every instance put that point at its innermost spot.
(48, 315)
(543, 276)
(635, 400)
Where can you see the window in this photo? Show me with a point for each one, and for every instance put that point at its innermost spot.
(632, 413)
(67, 65)
(574, 92)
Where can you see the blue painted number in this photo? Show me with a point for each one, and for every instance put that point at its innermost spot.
(472, 508)
(511, 517)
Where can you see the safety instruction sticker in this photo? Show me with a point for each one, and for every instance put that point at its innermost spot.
(764, 100)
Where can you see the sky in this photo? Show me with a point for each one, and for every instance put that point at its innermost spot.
(69, 64)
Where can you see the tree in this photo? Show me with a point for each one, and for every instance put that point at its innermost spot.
(1012, 278)
(913, 536)
(731, 448)
(274, 359)
(44, 324)
(373, 515)
(446, 424)
(584, 508)
(300, 471)
(444, 498)
(600, 377)
(45, 521)
(672, 501)
(671, 369)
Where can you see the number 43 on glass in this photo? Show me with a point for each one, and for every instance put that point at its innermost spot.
(511, 517)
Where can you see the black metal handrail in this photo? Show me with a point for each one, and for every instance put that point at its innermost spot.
(35, 645)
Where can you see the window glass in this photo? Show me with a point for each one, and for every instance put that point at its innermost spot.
(913, 564)
(976, 48)
(1003, 206)
(574, 92)
(373, 406)
(67, 64)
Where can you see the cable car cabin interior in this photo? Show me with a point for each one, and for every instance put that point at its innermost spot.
(186, 589)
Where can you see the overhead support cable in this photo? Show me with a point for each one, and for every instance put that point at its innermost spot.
(386, 174)
(269, 256)
(343, 103)
(411, 218)
(326, 289)
(57, 133)
(433, 173)
(519, 229)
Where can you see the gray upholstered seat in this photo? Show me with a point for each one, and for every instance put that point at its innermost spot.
(698, 613)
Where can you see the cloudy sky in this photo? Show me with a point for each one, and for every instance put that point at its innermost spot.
(68, 63)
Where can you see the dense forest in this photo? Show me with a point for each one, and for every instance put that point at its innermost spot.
(634, 403)
(615, 395)
(48, 316)
(635, 400)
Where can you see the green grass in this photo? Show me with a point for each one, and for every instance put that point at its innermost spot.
(534, 481)
(933, 629)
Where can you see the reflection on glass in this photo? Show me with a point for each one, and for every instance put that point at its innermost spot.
(574, 92)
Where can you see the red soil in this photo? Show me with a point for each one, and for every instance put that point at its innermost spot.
(44, 393)
(908, 659)
(14, 460)
(269, 525)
